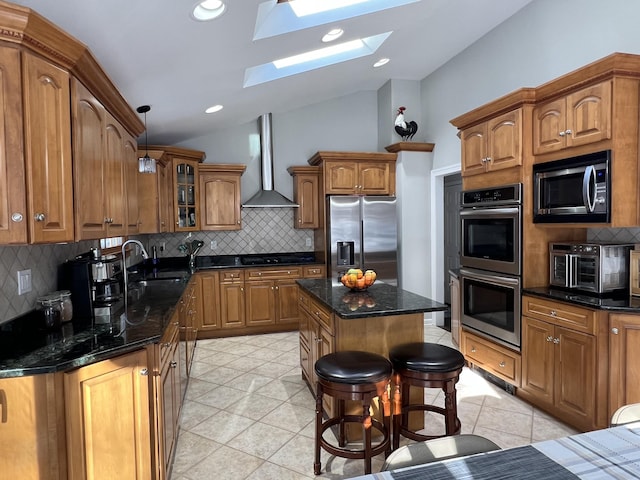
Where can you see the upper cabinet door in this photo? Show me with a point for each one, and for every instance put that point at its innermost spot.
(504, 140)
(341, 177)
(89, 164)
(374, 178)
(220, 206)
(474, 150)
(549, 125)
(47, 121)
(589, 115)
(114, 163)
(13, 202)
(579, 118)
(131, 184)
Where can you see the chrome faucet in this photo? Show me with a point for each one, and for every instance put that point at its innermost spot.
(145, 255)
(191, 249)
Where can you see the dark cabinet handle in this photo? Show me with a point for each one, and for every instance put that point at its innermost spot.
(3, 401)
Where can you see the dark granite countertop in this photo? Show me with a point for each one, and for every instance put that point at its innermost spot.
(620, 302)
(379, 300)
(27, 349)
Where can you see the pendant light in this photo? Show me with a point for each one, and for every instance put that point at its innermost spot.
(146, 164)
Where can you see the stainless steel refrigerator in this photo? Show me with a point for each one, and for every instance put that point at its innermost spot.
(362, 233)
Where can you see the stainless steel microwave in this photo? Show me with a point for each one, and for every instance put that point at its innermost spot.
(573, 190)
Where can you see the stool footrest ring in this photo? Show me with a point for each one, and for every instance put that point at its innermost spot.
(356, 453)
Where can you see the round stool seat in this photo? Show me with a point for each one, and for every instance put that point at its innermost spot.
(426, 357)
(352, 367)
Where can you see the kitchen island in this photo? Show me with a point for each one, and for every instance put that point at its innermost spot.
(333, 318)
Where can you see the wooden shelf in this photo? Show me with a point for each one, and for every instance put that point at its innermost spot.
(410, 147)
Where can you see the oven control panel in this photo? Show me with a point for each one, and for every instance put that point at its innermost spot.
(505, 195)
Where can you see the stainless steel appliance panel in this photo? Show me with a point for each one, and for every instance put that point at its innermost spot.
(573, 190)
(491, 229)
(491, 305)
(362, 233)
(380, 237)
(590, 267)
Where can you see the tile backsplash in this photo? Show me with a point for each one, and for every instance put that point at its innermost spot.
(43, 261)
(264, 230)
(613, 235)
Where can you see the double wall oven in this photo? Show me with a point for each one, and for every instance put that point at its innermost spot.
(491, 262)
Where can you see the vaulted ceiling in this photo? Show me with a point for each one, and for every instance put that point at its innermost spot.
(157, 54)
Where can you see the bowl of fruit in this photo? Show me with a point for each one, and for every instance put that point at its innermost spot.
(357, 280)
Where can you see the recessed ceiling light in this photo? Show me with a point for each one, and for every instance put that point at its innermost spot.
(214, 109)
(208, 10)
(381, 62)
(332, 35)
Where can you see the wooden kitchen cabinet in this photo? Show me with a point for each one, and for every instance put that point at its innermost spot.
(220, 202)
(108, 419)
(32, 430)
(209, 286)
(624, 360)
(132, 208)
(249, 301)
(13, 217)
(357, 173)
(494, 358)
(492, 145)
(47, 140)
(169, 198)
(306, 193)
(564, 361)
(272, 295)
(232, 299)
(168, 396)
(185, 194)
(104, 153)
(579, 118)
(317, 338)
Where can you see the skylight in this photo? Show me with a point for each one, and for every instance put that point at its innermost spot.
(279, 18)
(313, 59)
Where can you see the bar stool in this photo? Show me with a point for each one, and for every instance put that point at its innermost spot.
(424, 365)
(360, 376)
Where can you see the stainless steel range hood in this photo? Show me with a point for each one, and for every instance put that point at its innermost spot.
(267, 197)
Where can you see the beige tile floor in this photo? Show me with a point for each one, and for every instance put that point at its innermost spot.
(248, 414)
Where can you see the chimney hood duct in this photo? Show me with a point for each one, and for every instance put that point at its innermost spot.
(267, 197)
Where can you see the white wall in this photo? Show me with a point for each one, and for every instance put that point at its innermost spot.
(348, 123)
(545, 40)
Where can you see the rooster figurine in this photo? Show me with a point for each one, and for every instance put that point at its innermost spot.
(405, 129)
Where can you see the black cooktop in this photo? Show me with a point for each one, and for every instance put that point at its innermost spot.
(278, 258)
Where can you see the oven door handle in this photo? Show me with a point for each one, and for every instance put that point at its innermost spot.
(589, 188)
(572, 266)
(493, 211)
(491, 278)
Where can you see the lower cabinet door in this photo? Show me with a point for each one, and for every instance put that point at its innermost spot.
(32, 428)
(108, 420)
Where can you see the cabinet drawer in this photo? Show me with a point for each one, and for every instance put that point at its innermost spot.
(316, 271)
(231, 276)
(562, 314)
(169, 339)
(276, 273)
(493, 358)
(322, 315)
(304, 301)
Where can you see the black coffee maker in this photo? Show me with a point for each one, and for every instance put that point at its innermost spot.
(95, 282)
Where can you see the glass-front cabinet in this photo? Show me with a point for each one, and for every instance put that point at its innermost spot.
(186, 194)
